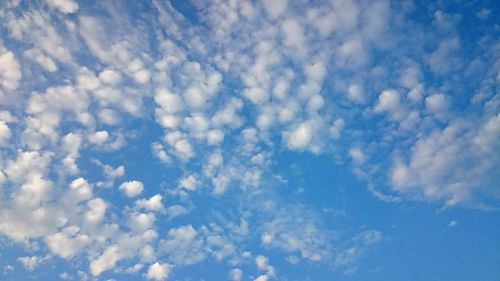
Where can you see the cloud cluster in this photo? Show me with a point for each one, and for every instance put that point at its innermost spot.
(87, 90)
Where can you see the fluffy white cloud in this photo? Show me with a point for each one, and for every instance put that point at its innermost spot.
(10, 70)
(261, 262)
(110, 76)
(300, 137)
(437, 104)
(236, 274)
(262, 278)
(189, 183)
(296, 79)
(357, 155)
(355, 93)
(99, 137)
(30, 263)
(106, 261)
(67, 242)
(65, 6)
(140, 222)
(437, 167)
(184, 246)
(4, 133)
(96, 211)
(131, 188)
(153, 204)
(42, 59)
(159, 271)
(390, 101)
(275, 8)
(293, 33)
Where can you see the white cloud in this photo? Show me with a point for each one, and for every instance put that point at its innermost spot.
(228, 115)
(142, 76)
(300, 137)
(437, 104)
(183, 246)
(106, 261)
(437, 167)
(110, 76)
(236, 274)
(261, 262)
(159, 271)
(262, 278)
(355, 93)
(293, 32)
(215, 137)
(158, 151)
(357, 155)
(441, 61)
(275, 8)
(140, 222)
(181, 145)
(197, 125)
(390, 101)
(176, 211)
(189, 183)
(10, 70)
(96, 211)
(154, 203)
(42, 59)
(110, 173)
(131, 188)
(304, 78)
(296, 230)
(5, 134)
(108, 116)
(336, 128)
(67, 242)
(65, 6)
(80, 190)
(30, 263)
(99, 137)
(489, 135)
(256, 95)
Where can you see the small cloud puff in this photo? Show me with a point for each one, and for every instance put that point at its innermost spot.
(131, 188)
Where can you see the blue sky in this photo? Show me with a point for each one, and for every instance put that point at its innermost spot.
(249, 140)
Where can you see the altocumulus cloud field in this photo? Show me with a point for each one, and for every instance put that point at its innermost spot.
(249, 140)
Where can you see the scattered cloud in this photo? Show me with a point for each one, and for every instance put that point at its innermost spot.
(203, 109)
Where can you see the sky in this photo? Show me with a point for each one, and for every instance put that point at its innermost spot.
(250, 140)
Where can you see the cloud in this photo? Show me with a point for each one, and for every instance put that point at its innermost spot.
(67, 242)
(10, 70)
(106, 261)
(190, 183)
(437, 104)
(131, 188)
(357, 155)
(437, 168)
(218, 95)
(30, 263)
(5, 133)
(65, 6)
(300, 137)
(236, 274)
(389, 101)
(275, 8)
(154, 203)
(159, 271)
(184, 246)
